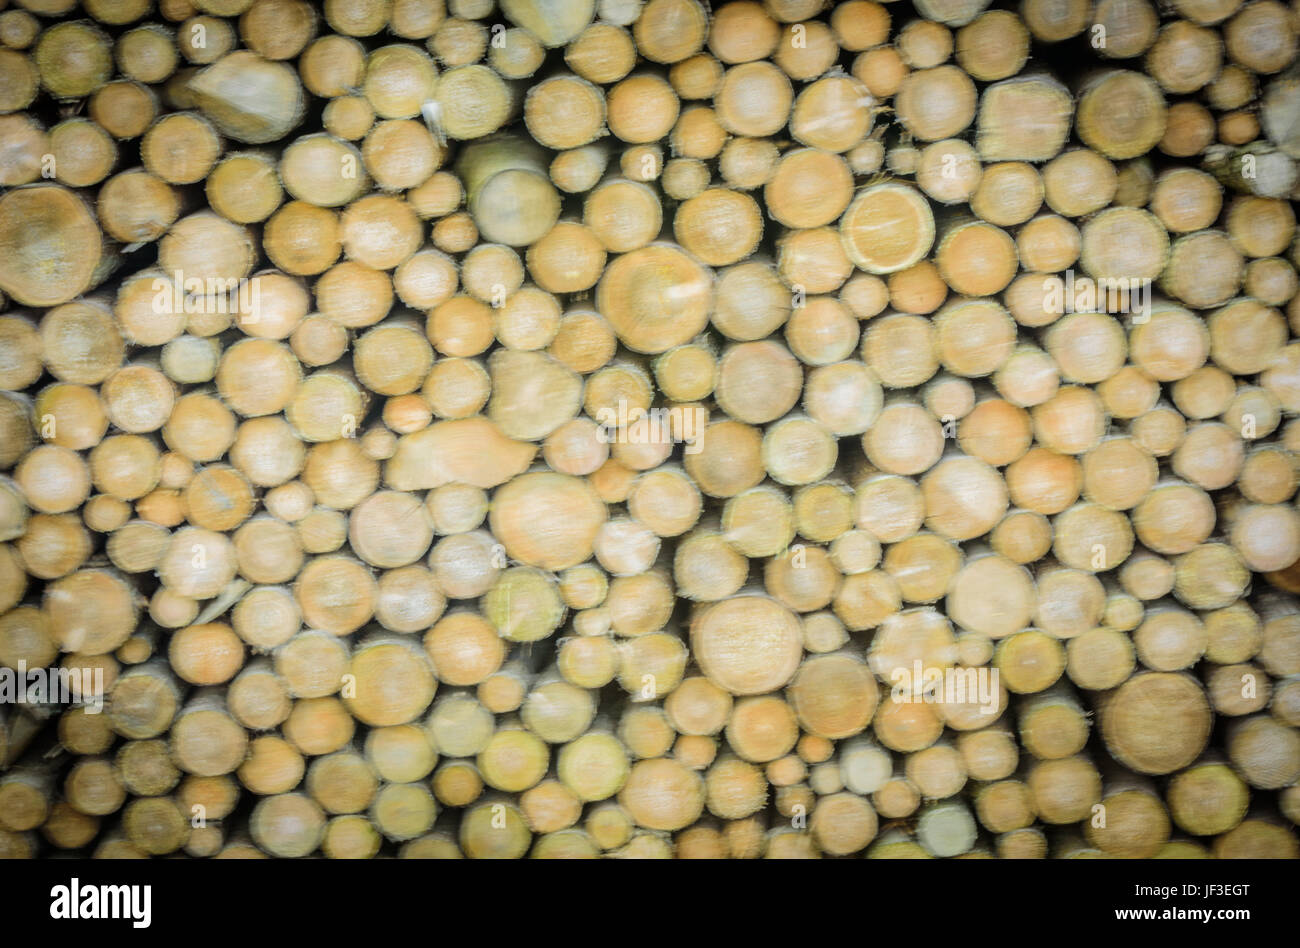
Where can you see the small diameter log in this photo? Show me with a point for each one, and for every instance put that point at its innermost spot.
(1005, 806)
(288, 825)
(137, 207)
(1264, 751)
(564, 112)
(459, 726)
(937, 771)
(1136, 823)
(155, 825)
(719, 226)
(205, 739)
(748, 83)
(833, 696)
(258, 698)
(25, 794)
(1207, 799)
(144, 701)
(994, 45)
(843, 824)
(1099, 659)
(946, 829)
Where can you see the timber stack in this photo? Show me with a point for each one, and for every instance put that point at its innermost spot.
(579, 428)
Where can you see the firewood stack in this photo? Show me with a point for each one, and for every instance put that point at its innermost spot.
(568, 428)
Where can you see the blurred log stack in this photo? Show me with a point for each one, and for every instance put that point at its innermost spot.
(570, 428)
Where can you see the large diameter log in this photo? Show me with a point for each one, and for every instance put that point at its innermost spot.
(1023, 119)
(1256, 168)
(50, 246)
(473, 101)
(468, 451)
(748, 644)
(655, 298)
(669, 31)
(887, 228)
(951, 12)
(1156, 722)
(936, 103)
(663, 794)
(570, 504)
(532, 394)
(74, 59)
(1280, 113)
(565, 112)
(554, 22)
(507, 190)
(250, 99)
(1121, 114)
(834, 696)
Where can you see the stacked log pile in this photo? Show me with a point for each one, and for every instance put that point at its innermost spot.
(577, 428)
